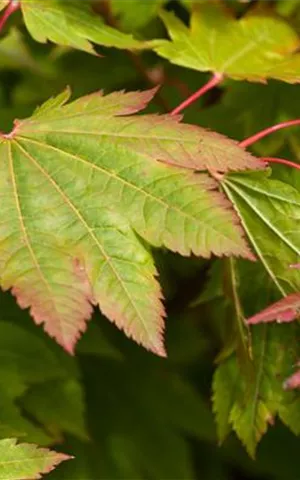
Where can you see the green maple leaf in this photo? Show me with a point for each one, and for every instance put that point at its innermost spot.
(25, 461)
(80, 183)
(248, 404)
(253, 48)
(270, 212)
(72, 24)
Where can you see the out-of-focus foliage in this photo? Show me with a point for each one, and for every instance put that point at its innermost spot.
(119, 410)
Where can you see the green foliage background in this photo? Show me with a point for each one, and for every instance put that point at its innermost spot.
(122, 412)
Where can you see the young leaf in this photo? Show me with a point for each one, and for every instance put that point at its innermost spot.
(270, 212)
(78, 25)
(25, 461)
(253, 48)
(79, 182)
(285, 310)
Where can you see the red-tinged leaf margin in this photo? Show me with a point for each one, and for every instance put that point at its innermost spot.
(51, 459)
(285, 310)
(162, 138)
(198, 142)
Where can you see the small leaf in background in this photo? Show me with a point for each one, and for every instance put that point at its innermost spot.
(249, 404)
(78, 25)
(135, 14)
(14, 423)
(252, 48)
(15, 54)
(25, 461)
(96, 180)
(59, 407)
(285, 310)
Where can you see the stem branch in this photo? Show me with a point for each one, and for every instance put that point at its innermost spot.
(10, 9)
(263, 133)
(213, 82)
(282, 161)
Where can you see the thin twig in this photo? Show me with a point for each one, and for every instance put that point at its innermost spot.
(10, 9)
(213, 82)
(282, 161)
(263, 133)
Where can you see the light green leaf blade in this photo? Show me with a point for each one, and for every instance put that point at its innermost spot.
(25, 461)
(79, 182)
(270, 213)
(253, 48)
(73, 24)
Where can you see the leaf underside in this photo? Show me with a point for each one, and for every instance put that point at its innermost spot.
(81, 184)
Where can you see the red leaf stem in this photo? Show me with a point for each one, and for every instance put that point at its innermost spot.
(213, 82)
(10, 9)
(282, 161)
(263, 133)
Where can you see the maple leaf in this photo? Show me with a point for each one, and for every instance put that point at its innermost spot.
(285, 310)
(249, 404)
(78, 25)
(269, 211)
(253, 48)
(80, 183)
(26, 461)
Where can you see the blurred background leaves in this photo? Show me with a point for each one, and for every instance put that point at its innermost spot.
(122, 412)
